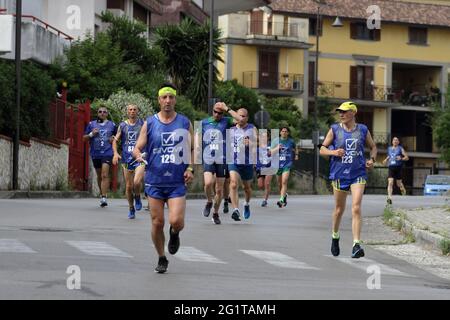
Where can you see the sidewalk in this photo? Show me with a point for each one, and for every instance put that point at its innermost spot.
(44, 194)
(428, 225)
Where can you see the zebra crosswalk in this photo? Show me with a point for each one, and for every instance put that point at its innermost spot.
(196, 255)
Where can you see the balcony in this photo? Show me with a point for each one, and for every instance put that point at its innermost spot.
(276, 83)
(381, 139)
(341, 90)
(282, 31)
(40, 41)
(414, 96)
(276, 31)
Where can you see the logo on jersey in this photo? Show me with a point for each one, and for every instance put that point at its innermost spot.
(351, 144)
(102, 133)
(167, 139)
(132, 136)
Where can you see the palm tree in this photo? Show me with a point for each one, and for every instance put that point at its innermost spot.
(186, 47)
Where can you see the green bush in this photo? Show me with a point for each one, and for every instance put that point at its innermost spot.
(37, 91)
(117, 103)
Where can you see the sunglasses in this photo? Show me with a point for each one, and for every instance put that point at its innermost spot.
(102, 111)
(218, 112)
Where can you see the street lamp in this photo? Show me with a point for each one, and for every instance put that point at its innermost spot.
(337, 23)
(211, 58)
(15, 171)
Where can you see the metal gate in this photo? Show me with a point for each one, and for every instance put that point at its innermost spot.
(67, 123)
(77, 118)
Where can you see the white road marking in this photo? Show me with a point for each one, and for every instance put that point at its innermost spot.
(279, 259)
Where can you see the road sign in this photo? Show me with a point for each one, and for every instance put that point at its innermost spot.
(262, 119)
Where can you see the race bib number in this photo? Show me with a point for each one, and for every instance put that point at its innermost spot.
(130, 149)
(167, 158)
(347, 159)
(283, 158)
(214, 146)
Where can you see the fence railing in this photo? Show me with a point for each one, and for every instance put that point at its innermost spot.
(278, 29)
(341, 90)
(273, 80)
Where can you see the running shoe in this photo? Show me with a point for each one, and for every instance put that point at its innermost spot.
(335, 247)
(357, 251)
(103, 202)
(163, 263)
(389, 201)
(236, 216)
(174, 242)
(246, 211)
(225, 206)
(215, 218)
(264, 203)
(207, 209)
(285, 200)
(280, 203)
(132, 213)
(137, 203)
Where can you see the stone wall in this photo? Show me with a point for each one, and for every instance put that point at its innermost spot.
(42, 165)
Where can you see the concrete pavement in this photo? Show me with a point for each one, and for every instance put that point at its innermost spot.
(276, 254)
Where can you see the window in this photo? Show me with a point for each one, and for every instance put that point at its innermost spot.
(139, 13)
(313, 27)
(116, 4)
(418, 35)
(359, 31)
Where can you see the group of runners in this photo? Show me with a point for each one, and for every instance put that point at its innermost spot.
(158, 153)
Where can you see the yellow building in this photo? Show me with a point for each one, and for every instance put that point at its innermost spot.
(267, 52)
(393, 73)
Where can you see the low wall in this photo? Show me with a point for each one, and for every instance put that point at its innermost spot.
(42, 165)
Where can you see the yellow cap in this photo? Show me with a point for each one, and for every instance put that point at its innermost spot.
(348, 105)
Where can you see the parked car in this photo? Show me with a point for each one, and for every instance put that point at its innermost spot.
(436, 185)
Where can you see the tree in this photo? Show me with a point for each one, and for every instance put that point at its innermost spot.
(238, 96)
(95, 68)
(186, 47)
(441, 128)
(129, 35)
(38, 89)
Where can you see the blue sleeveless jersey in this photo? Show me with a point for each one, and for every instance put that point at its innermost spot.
(129, 136)
(286, 153)
(353, 164)
(263, 157)
(393, 153)
(100, 147)
(168, 151)
(213, 139)
(240, 153)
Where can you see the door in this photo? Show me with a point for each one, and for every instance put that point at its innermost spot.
(361, 82)
(268, 70)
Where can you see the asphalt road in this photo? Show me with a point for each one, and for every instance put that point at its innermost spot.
(276, 254)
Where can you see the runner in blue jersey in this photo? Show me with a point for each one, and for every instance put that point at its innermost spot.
(241, 155)
(133, 171)
(286, 150)
(345, 142)
(396, 157)
(213, 156)
(264, 158)
(100, 133)
(166, 138)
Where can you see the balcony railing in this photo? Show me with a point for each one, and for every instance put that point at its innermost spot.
(381, 139)
(273, 81)
(278, 30)
(341, 90)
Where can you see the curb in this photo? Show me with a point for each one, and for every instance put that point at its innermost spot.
(423, 236)
(44, 194)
